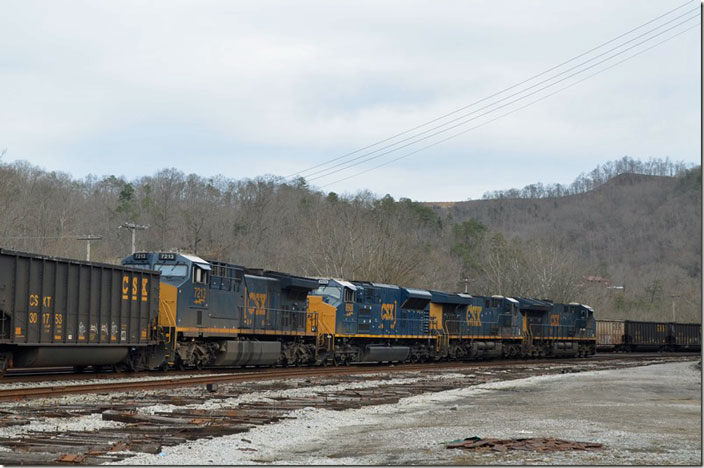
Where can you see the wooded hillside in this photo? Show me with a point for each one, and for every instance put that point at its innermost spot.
(641, 232)
(637, 232)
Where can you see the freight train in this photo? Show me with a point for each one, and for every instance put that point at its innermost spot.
(632, 335)
(165, 309)
(161, 310)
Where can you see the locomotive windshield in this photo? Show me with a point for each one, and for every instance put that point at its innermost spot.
(169, 269)
(332, 293)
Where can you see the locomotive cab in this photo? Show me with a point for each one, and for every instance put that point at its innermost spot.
(175, 268)
(183, 288)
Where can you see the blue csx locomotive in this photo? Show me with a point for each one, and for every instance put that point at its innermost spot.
(218, 314)
(166, 309)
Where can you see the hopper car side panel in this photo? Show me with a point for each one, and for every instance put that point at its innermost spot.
(49, 303)
(685, 336)
(646, 336)
(610, 335)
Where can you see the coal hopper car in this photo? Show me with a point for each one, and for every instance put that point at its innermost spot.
(61, 312)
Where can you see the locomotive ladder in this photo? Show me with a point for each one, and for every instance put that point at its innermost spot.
(325, 337)
(442, 336)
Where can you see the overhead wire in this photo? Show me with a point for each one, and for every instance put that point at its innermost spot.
(300, 173)
(360, 159)
(357, 162)
(512, 111)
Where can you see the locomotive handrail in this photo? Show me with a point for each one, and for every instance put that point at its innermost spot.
(462, 328)
(542, 331)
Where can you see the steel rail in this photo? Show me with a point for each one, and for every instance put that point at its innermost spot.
(22, 393)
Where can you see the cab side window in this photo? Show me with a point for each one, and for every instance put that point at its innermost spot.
(200, 276)
(349, 295)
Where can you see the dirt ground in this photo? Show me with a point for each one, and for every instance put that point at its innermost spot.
(648, 415)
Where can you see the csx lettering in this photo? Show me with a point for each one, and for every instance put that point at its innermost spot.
(34, 300)
(474, 316)
(555, 320)
(125, 286)
(388, 314)
(135, 288)
(257, 303)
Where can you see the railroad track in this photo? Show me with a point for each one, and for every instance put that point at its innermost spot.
(118, 384)
(184, 415)
(191, 380)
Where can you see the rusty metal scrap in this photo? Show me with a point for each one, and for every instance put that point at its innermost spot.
(545, 444)
(71, 458)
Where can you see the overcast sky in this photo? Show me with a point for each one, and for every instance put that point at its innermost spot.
(247, 88)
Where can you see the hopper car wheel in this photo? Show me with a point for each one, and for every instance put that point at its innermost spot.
(5, 362)
(129, 366)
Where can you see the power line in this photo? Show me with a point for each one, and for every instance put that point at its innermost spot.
(489, 97)
(514, 110)
(357, 161)
(350, 163)
(331, 170)
(71, 236)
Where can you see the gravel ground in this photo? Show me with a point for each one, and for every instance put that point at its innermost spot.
(647, 415)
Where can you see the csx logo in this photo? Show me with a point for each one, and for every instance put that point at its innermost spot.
(135, 288)
(555, 320)
(388, 314)
(257, 303)
(474, 316)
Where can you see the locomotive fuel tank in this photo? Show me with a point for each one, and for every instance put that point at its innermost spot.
(381, 353)
(245, 353)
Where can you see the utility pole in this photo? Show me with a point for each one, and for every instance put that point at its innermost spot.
(88, 240)
(133, 227)
(673, 296)
(466, 284)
